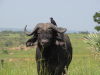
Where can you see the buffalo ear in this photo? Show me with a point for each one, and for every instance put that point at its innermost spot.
(31, 41)
(60, 39)
(60, 34)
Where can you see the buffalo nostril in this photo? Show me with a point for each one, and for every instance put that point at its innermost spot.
(44, 41)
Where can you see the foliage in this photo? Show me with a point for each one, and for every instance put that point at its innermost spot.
(4, 51)
(97, 17)
(84, 32)
(94, 41)
(97, 28)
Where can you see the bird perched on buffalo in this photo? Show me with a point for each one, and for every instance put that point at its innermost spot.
(60, 39)
(53, 21)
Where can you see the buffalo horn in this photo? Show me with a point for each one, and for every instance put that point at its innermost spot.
(30, 33)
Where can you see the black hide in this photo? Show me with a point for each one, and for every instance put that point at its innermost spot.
(53, 59)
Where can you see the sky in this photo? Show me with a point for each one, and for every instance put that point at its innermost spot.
(75, 15)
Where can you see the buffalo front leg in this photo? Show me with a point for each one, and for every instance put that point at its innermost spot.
(59, 70)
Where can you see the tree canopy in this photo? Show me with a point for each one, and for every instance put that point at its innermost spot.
(96, 18)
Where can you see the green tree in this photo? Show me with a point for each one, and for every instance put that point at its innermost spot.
(96, 18)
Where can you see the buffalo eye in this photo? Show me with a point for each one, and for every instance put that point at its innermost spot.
(39, 31)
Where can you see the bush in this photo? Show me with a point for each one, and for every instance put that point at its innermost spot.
(5, 51)
(94, 41)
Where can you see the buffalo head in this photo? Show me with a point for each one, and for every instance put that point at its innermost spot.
(45, 33)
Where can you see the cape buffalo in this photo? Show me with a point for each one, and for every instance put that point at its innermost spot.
(54, 50)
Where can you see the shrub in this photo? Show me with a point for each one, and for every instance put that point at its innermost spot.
(5, 51)
(93, 40)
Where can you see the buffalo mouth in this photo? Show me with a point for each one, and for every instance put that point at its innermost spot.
(45, 45)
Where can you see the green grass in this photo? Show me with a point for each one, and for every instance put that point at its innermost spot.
(23, 62)
(83, 62)
(19, 68)
(18, 54)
